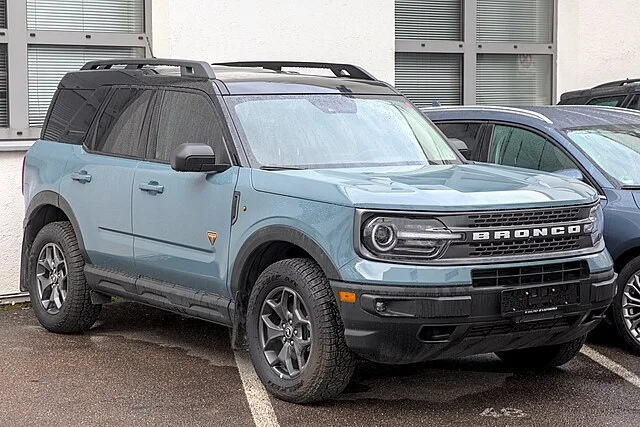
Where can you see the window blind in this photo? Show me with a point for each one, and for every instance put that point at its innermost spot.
(426, 78)
(3, 13)
(4, 109)
(48, 64)
(523, 21)
(119, 16)
(514, 79)
(429, 20)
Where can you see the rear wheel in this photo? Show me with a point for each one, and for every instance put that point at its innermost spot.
(57, 287)
(626, 305)
(549, 356)
(296, 336)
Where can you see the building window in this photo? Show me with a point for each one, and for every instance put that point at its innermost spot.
(428, 78)
(58, 37)
(454, 52)
(109, 16)
(48, 64)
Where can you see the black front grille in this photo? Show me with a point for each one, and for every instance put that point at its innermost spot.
(531, 275)
(523, 247)
(510, 328)
(525, 217)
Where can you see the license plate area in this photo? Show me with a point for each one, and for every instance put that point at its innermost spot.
(539, 299)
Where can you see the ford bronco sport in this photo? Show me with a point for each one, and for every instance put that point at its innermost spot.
(320, 217)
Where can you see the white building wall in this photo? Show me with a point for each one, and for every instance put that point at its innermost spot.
(597, 42)
(353, 31)
(11, 213)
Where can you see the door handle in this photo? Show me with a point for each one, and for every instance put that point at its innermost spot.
(152, 187)
(82, 177)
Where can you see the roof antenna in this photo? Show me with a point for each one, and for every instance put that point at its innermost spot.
(150, 50)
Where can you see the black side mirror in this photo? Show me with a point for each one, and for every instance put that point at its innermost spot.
(571, 173)
(195, 158)
(460, 145)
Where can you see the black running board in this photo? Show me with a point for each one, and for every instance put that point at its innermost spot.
(167, 296)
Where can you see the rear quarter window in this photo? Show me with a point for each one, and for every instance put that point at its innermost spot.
(72, 112)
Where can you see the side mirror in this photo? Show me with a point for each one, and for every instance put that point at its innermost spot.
(460, 145)
(571, 173)
(195, 158)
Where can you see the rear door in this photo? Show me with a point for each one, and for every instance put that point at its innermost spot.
(182, 220)
(99, 176)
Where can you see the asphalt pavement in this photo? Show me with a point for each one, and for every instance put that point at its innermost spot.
(140, 366)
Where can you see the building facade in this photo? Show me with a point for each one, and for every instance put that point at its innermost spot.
(435, 51)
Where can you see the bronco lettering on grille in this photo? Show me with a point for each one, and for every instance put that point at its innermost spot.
(527, 233)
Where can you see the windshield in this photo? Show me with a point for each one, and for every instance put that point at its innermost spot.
(616, 149)
(314, 131)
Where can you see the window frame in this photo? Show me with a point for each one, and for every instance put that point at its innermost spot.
(17, 37)
(89, 142)
(154, 124)
(588, 179)
(469, 47)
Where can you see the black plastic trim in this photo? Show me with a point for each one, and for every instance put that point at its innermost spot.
(280, 233)
(167, 296)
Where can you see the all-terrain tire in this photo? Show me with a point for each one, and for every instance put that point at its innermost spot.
(628, 272)
(77, 313)
(330, 362)
(536, 358)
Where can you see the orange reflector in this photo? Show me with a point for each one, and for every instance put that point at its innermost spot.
(347, 296)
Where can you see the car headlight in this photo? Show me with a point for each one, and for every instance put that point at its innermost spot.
(596, 224)
(397, 238)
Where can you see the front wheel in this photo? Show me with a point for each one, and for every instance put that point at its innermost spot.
(550, 356)
(296, 336)
(625, 309)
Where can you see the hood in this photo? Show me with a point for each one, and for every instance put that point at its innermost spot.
(439, 188)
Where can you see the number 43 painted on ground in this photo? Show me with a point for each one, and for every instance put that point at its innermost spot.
(504, 412)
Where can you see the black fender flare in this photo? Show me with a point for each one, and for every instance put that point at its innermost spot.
(40, 200)
(282, 233)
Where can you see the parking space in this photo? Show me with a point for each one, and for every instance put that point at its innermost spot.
(142, 366)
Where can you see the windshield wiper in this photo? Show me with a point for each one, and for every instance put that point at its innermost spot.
(630, 187)
(279, 168)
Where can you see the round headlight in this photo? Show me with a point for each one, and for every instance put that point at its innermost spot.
(384, 237)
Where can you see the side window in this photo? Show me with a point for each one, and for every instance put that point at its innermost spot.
(467, 132)
(608, 101)
(511, 146)
(71, 114)
(119, 130)
(635, 103)
(188, 117)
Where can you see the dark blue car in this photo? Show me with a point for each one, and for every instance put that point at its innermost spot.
(599, 145)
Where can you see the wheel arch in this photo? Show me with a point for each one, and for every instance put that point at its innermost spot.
(44, 208)
(264, 247)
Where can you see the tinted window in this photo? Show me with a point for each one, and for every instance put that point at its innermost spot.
(120, 127)
(609, 101)
(188, 118)
(512, 146)
(467, 132)
(72, 113)
(635, 103)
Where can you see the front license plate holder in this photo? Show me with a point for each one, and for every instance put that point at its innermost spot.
(539, 300)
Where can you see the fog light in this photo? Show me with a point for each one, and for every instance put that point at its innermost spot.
(381, 306)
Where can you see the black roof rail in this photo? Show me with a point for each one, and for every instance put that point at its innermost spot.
(339, 70)
(200, 69)
(617, 83)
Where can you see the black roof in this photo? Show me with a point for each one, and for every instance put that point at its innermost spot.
(555, 116)
(232, 78)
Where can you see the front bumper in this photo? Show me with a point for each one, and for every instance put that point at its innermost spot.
(402, 324)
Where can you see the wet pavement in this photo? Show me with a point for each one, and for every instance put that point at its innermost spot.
(140, 366)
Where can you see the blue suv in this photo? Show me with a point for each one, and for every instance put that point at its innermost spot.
(320, 217)
(598, 145)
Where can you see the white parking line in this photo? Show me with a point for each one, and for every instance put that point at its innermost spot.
(257, 397)
(614, 367)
